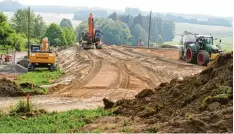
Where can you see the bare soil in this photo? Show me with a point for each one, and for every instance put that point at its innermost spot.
(113, 72)
(202, 103)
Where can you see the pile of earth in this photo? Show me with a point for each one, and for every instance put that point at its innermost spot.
(9, 88)
(195, 104)
(23, 63)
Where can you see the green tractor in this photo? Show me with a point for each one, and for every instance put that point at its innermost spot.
(199, 49)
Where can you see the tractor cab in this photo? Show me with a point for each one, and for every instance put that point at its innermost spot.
(206, 42)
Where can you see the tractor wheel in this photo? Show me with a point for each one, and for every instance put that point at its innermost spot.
(181, 53)
(190, 55)
(203, 58)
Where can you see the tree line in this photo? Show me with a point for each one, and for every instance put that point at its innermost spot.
(15, 33)
(127, 29)
(215, 21)
(117, 29)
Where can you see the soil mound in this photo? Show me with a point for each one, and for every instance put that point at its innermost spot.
(9, 89)
(23, 63)
(199, 103)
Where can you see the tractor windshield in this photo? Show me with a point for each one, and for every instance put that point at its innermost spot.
(209, 40)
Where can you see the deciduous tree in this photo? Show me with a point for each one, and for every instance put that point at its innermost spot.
(55, 35)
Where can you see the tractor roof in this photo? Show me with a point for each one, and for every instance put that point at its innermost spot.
(208, 36)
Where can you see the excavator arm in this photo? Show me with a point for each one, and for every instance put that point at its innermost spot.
(45, 45)
(91, 25)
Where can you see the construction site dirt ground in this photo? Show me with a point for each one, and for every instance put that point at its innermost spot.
(113, 72)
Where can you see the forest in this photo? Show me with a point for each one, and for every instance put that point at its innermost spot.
(127, 29)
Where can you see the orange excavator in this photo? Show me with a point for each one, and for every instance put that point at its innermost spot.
(92, 37)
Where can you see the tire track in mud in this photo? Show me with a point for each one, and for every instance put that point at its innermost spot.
(124, 68)
(149, 82)
(123, 79)
(164, 69)
(70, 60)
(155, 76)
(79, 83)
(96, 67)
(182, 64)
(152, 63)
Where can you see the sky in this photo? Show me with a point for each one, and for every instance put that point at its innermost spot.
(208, 7)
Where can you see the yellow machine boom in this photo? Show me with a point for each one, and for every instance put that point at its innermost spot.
(45, 44)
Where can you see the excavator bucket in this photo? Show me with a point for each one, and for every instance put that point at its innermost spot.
(213, 58)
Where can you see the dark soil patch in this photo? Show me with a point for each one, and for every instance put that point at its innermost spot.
(23, 63)
(9, 88)
(168, 46)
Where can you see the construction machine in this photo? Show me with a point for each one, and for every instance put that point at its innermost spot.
(92, 37)
(199, 49)
(41, 57)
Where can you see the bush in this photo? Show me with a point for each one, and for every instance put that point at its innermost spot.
(21, 107)
(160, 40)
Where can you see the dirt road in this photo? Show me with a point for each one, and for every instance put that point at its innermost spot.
(113, 72)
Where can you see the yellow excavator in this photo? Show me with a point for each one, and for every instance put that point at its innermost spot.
(41, 57)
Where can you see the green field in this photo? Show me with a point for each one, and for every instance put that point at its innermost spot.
(64, 122)
(38, 78)
(204, 29)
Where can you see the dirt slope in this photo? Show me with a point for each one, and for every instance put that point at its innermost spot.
(200, 103)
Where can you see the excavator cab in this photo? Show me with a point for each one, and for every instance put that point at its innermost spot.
(98, 35)
(35, 48)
